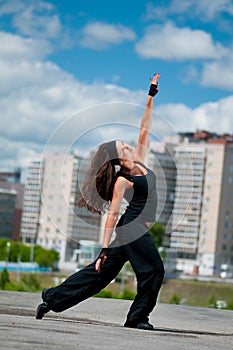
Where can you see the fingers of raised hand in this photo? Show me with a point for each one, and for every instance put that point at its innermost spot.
(155, 78)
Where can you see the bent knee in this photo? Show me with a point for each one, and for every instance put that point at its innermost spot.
(159, 271)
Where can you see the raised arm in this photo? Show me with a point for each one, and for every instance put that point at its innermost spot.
(143, 139)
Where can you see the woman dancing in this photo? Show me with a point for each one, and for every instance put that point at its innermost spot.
(104, 186)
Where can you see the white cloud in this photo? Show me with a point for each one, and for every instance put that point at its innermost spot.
(219, 74)
(15, 6)
(16, 48)
(15, 153)
(36, 20)
(172, 43)
(30, 23)
(212, 116)
(205, 10)
(11, 7)
(99, 35)
(37, 96)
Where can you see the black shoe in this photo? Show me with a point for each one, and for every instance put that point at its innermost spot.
(145, 325)
(42, 309)
(130, 325)
(139, 325)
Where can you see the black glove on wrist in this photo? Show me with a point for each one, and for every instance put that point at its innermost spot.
(153, 90)
(103, 253)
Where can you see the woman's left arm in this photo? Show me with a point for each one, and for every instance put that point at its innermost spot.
(146, 121)
(118, 194)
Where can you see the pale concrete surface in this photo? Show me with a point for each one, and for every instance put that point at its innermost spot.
(97, 324)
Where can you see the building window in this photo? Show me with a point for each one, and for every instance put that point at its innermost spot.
(227, 224)
(225, 236)
(230, 179)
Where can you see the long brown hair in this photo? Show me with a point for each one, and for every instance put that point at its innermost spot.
(97, 189)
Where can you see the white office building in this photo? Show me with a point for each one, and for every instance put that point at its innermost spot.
(50, 217)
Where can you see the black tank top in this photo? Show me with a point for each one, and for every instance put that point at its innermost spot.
(142, 197)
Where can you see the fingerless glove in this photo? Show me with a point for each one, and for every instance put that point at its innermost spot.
(153, 90)
(103, 253)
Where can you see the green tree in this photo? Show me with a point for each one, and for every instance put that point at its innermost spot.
(157, 232)
(19, 251)
(4, 278)
(230, 305)
(46, 257)
(212, 301)
(175, 299)
(3, 245)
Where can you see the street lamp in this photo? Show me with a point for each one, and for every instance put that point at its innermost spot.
(32, 250)
(8, 247)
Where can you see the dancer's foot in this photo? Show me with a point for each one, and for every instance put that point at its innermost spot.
(145, 325)
(42, 309)
(140, 325)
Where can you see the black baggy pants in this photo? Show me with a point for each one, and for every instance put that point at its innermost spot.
(146, 263)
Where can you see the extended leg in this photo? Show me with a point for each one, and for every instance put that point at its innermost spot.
(84, 283)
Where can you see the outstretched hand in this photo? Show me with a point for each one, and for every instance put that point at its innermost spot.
(154, 85)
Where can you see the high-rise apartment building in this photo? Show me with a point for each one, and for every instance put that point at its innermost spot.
(161, 160)
(215, 245)
(13, 176)
(203, 239)
(7, 209)
(190, 162)
(10, 182)
(32, 200)
(50, 217)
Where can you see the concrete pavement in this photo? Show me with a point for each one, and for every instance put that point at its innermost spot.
(97, 324)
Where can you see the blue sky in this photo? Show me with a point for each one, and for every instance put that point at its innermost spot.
(59, 58)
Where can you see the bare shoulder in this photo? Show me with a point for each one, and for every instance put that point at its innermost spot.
(122, 183)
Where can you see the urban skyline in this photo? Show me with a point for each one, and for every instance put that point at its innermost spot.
(194, 188)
